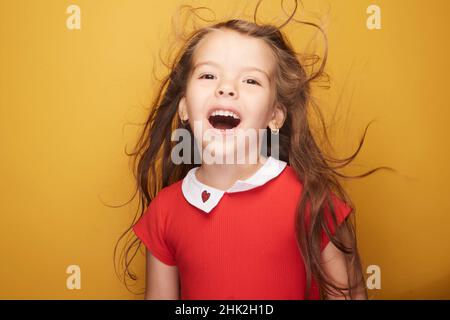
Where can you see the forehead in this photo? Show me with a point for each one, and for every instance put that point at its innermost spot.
(230, 49)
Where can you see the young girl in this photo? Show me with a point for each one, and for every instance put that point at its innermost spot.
(276, 228)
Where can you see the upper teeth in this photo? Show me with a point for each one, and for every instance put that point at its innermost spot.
(225, 113)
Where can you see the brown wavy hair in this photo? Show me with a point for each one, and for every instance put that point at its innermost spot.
(318, 171)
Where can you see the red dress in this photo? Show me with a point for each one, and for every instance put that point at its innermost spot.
(243, 248)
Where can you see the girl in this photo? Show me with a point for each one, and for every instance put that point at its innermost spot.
(276, 228)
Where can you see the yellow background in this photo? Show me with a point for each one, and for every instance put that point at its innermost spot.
(65, 96)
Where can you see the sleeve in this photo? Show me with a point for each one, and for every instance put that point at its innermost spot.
(150, 229)
(341, 210)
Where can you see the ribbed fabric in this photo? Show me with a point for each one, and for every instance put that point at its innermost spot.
(245, 248)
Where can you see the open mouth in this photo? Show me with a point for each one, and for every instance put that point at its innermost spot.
(224, 120)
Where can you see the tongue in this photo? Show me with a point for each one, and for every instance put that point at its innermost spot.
(223, 125)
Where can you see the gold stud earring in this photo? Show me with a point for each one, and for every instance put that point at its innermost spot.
(275, 131)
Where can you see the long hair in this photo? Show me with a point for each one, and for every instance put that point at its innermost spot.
(318, 172)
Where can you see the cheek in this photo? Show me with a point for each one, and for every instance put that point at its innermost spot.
(196, 102)
(253, 95)
(258, 111)
(198, 89)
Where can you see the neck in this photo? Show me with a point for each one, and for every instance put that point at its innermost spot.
(223, 176)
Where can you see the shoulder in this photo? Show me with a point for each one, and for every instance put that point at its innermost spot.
(287, 185)
(169, 193)
(290, 179)
(165, 199)
(164, 202)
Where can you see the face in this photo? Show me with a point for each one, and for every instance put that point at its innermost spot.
(230, 89)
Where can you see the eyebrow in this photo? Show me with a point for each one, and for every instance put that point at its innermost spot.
(244, 69)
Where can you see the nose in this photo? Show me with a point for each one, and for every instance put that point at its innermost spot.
(225, 91)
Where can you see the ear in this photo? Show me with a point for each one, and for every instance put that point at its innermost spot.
(182, 109)
(278, 117)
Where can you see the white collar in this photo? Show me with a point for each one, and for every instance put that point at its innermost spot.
(206, 198)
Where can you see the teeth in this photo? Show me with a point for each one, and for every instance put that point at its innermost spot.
(225, 113)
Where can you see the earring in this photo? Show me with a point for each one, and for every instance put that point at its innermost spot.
(184, 122)
(275, 131)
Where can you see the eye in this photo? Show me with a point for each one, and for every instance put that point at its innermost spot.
(206, 74)
(254, 81)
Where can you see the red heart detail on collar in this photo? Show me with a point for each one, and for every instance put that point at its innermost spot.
(205, 195)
